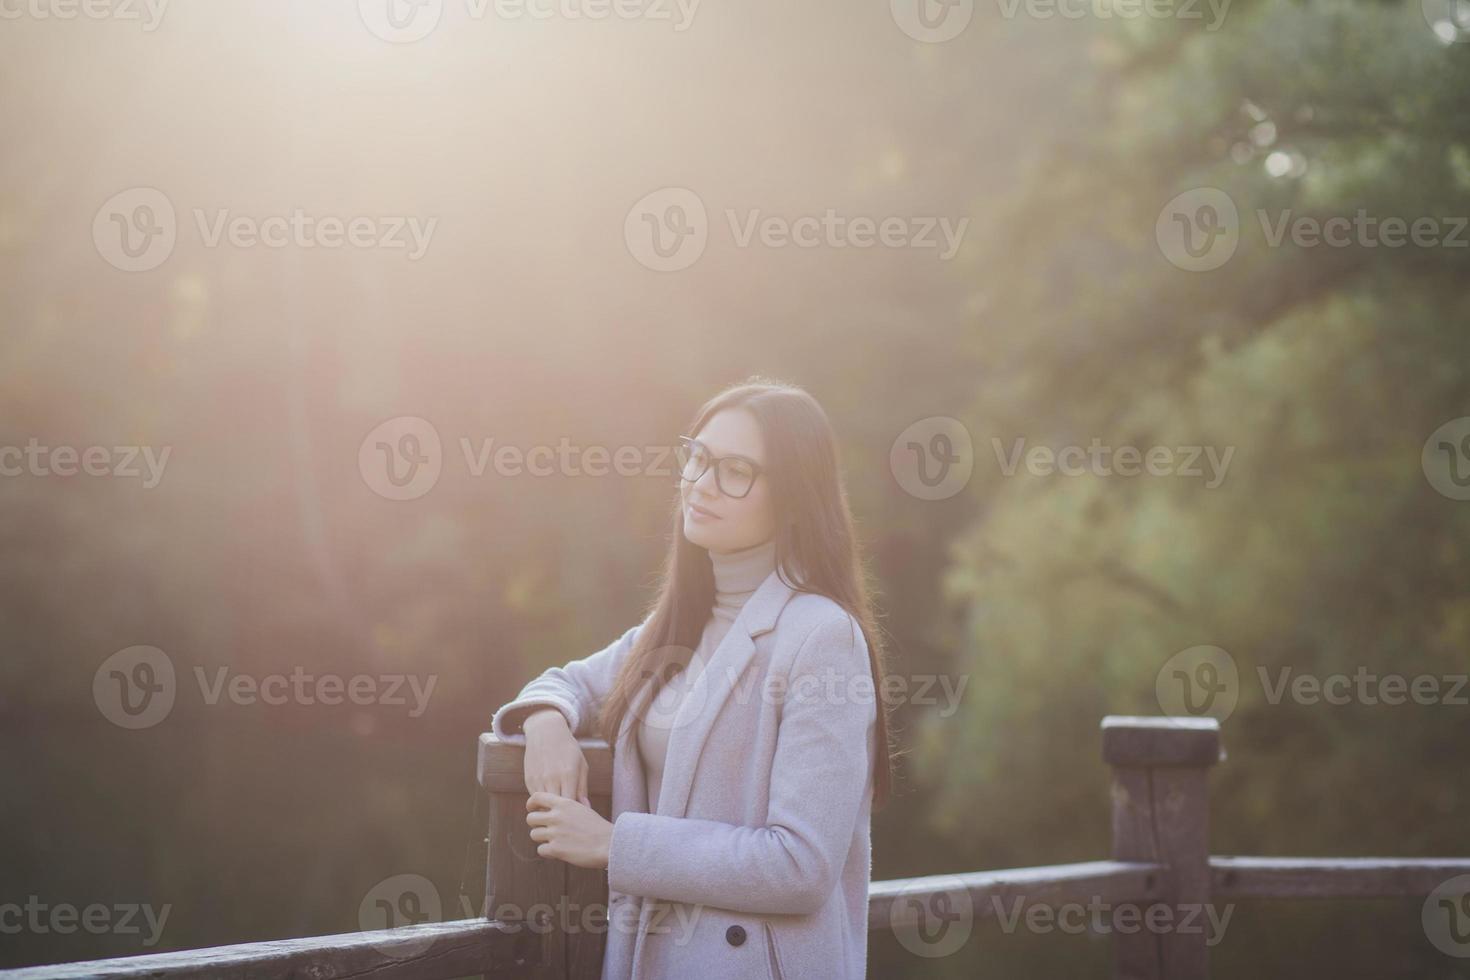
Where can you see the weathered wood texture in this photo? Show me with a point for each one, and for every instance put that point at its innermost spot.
(1157, 742)
(501, 766)
(1111, 882)
(1265, 877)
(565, 907)
(1160, 799)
(432, 951)
(1160, 827)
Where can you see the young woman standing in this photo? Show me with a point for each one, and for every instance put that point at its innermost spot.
(745, 711)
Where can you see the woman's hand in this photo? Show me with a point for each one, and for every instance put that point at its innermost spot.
(554, 761)
(568, 831)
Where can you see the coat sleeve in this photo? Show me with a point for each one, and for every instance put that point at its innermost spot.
(819, 777)
(576, 690)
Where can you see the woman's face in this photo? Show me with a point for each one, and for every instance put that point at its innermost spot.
(713, 520)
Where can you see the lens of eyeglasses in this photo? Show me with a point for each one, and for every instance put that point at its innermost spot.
(736, 476)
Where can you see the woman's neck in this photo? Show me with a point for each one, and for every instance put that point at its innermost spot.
(739, 573)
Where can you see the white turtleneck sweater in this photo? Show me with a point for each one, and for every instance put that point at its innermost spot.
(737, 576)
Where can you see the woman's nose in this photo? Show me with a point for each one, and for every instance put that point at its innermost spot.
(707, 485)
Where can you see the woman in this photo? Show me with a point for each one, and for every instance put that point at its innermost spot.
(749, 737)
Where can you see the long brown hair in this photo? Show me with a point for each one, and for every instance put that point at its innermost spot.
(815, 540)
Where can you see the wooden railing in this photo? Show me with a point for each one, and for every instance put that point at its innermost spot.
(1160, 863)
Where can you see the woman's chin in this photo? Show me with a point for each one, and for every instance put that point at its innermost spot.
(697, 535)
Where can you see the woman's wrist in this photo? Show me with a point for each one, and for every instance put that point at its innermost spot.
(543, 718)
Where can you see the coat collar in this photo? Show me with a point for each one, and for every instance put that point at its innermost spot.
(702, 703)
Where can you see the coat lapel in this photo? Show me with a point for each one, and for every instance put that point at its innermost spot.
(702, 703)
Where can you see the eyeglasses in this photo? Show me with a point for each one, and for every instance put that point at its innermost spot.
(734, 475)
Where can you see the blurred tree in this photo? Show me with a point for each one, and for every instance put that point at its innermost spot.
(1323, 369)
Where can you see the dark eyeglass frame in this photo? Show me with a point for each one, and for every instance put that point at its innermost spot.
(685, 452)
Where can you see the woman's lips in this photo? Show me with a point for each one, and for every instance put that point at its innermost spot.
(698, 513)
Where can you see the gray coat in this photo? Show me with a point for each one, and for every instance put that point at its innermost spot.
(757, 861)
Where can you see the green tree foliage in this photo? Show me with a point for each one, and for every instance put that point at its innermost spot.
(1324, 550)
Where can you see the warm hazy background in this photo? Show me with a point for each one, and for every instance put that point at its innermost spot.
(530, 319)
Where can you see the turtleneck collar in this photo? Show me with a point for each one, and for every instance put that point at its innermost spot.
(739, 573)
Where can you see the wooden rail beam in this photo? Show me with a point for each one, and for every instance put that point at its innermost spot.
(901, 901)
(432, 951)
(1286, 877)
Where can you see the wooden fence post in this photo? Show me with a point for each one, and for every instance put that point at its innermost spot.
(564, 907)
(1160, 801)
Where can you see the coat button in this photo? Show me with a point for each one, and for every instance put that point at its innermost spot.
(735, 935)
